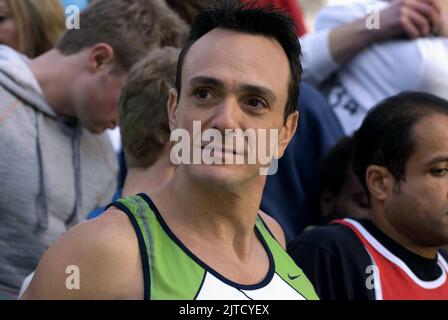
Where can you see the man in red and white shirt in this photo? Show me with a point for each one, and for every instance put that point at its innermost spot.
(400, 156)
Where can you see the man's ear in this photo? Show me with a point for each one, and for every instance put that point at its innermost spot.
(172, 108)
(379, 182)
(287, 132)
(101, 55)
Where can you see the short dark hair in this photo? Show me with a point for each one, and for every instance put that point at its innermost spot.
(143, 116)
(386, 135)
(246, 18)
(336, 166)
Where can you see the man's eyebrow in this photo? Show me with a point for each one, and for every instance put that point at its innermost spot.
(248, 88)
(437, 159)
(205, 81)
(259, 91)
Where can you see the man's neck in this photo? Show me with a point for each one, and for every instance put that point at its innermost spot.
(147, 179)
(215, 214)
(399, 237)
(50, 72)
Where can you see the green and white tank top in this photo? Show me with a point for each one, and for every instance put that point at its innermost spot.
(172, 272)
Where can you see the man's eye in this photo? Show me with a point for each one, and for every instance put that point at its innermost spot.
(440, 172)
(256, 103)
(203, 94)
(2, 19)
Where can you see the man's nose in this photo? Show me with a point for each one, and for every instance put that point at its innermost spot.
(226, 115)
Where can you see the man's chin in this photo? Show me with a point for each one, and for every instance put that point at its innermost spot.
(220, 174)
(96, 130)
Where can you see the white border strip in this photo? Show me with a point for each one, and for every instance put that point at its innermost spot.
(397, 261)
(442, 262)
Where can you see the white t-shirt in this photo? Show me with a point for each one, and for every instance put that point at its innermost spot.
(381, 70)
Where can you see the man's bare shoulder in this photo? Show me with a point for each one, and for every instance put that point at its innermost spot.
(103, 253)
(274, 227)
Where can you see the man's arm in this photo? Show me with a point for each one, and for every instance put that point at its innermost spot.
(338, 40)
(412, 18)
(97, 259)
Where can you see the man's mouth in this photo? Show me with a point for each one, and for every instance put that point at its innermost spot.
(220, 149)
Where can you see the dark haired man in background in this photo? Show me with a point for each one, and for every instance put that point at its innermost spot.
(401, 159)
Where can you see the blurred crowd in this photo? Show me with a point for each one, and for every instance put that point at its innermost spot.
(363, 182)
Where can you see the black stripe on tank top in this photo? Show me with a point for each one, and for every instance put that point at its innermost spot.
(142, 247)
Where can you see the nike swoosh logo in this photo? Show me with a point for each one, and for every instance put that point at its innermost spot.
(293, 277)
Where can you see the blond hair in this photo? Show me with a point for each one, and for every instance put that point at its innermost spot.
(143, 116)
(39, 23)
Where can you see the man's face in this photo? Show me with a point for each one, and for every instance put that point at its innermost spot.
(350, 202)
(96, 99)
(420, 209)
(233, 80)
